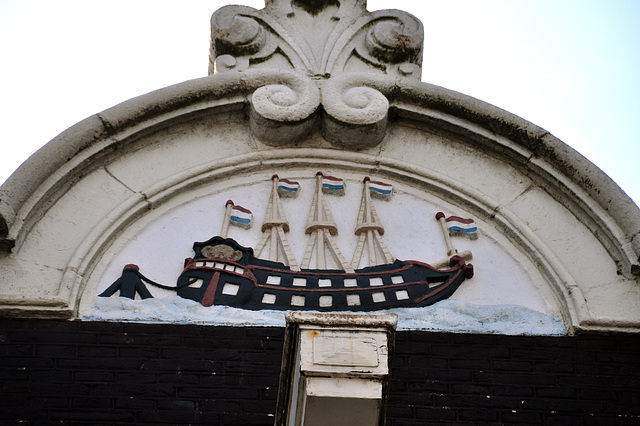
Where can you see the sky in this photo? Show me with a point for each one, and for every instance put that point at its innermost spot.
(569, 66)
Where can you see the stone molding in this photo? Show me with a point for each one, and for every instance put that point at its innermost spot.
(592, 197)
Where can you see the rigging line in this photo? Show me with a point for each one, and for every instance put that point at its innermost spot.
(166, 287)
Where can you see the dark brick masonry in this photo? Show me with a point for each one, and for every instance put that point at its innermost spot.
(55, 372)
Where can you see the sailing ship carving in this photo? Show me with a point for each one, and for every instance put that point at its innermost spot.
(223, 272)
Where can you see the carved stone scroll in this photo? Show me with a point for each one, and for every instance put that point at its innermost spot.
(355, 111)
(319, 38)
(284, 111)
(234, 33)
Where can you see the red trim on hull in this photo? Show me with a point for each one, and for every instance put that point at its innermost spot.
(439, 289)
(210, 295)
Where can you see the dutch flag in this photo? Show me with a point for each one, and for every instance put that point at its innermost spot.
(288, 188)
(461, 226)
(241, 217)
(332, 184)
(380, 189)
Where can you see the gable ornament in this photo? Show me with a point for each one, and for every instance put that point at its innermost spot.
(222, 272)
(325, 53)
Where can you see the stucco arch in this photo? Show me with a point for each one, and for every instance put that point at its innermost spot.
(65, 206)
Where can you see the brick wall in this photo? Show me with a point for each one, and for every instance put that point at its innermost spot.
(581, 380)
(105, 373)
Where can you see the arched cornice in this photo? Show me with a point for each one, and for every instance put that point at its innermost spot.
(285, 109)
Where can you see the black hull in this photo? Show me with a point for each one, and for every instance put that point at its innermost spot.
(257, 284)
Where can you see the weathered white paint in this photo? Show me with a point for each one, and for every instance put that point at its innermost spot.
(445, 316)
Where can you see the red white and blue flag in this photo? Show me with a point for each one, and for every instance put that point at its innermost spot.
(380, 188)
(288, 186)
(332, 183)
(461, 226)
(241, 217)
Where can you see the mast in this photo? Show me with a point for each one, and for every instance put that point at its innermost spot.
(445, 232)
(273, 229)
(322, 227)
(235, 215)
(369, 230)
(226, 219)
(458, 226)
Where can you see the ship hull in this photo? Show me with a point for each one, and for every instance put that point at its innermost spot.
(256, 284)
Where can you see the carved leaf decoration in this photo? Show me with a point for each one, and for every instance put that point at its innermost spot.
(317, 37)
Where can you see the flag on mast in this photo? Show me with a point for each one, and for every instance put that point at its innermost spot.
(461, 226)
(241, 217)
(288, 188)
(380, 189)
(332, 184)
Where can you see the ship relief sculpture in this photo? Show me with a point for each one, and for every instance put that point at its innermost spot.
(223, 272)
